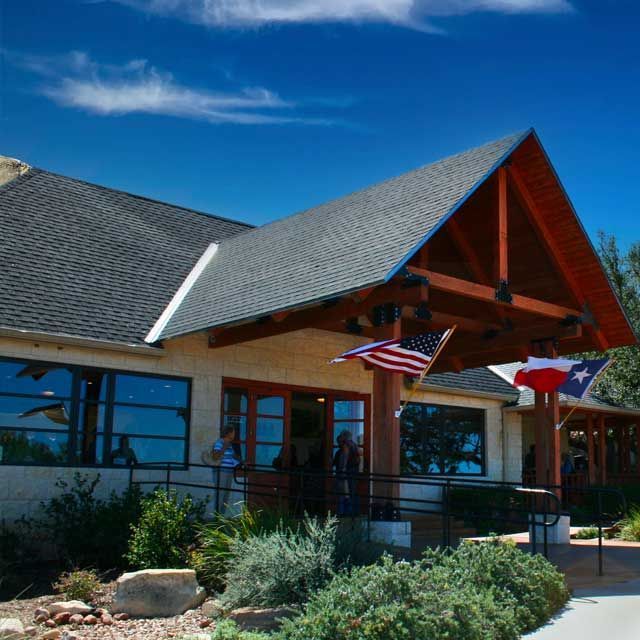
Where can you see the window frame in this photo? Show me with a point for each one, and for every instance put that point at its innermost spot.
(76, 402)
(442, 429)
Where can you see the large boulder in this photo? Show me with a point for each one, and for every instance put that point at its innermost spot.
(261, 619)
(154, 593)
(11, 628)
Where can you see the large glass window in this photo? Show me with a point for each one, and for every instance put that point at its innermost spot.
(65, 414)
(437, 439)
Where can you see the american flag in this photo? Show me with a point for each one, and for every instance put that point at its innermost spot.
(409, 356)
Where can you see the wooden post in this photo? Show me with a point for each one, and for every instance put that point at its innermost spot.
(602, 446)
(553, 418)
(386, 427)
(590, 450)
(541, 438)
(503, 256)
(626, 451)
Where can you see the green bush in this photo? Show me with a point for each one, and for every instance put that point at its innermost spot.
(78, 585)
(281, 567)
(87, 531)
(529, 584)
(214, 540)
(487, 591)
(228, 630)
(165, 531)
(586, 533)
(400, 601)
(630, 526)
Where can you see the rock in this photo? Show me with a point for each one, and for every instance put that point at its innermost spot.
(203, 624)
(72, 606)
(106, 618)
(50, 623)
(52, 634)
(100, 611)
(11, 628)
(40, 611)
(76, 618)
(212, 608)
(121, 617)
(70, 635)
(261, 619)
(41, 618)
(90, 620)
(31, 631)
(157, 593)
(62, 617)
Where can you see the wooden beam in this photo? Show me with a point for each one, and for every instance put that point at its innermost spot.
(316, 316)
(591, 461)
(440, 319)
(602, 449)
(502, 265)
(546, 238)
(280, 316)
(387, 387)
(466, 251)
(541, 437)
(487, 294)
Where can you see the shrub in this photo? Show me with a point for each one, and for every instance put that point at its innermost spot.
(85, 530)
(630, 526)
(488, 591)
(166, 529)
(401, 601)
(529, 584)
(210, 558)
(228, 630)
(586, 533)
(281, 567)
(78, 585)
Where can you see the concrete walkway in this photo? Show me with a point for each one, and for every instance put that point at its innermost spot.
(595, 613)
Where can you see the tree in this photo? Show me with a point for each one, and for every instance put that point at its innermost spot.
(620, 383)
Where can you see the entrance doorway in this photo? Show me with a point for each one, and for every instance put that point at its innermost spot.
(286, 428)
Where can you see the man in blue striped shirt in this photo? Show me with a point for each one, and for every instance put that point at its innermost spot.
(227, 459)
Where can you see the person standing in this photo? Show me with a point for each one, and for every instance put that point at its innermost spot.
(226, 458)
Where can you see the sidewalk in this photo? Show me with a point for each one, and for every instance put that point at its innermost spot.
(595, 613)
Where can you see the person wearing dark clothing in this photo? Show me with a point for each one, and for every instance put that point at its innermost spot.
(346, 463)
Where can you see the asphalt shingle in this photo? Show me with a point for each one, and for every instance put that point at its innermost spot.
(341, 246)
(84, 260)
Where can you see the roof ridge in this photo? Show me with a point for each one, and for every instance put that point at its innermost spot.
(20, 178)
(518, 134)
(141, 197)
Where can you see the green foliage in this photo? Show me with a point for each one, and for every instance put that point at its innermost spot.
(214, 540)
(228, 630)
(164, 532)
(281, 567)
(78, 585)
(529, 584)
(352, 547)
(586, 533)
(630, 526)
(487, 591)
(620, 383)
(88, 531)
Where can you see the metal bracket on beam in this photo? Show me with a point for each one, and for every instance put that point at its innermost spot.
(412, 279)
(353, 326)
(422, 312)
(502, 292)
(387, 313)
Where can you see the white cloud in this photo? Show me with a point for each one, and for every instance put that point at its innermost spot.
(409, 13)
(75, 80)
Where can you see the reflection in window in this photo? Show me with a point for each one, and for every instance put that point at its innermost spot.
(63, 414)
(442, 440)
(235, 401)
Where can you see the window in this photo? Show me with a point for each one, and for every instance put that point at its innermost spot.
(437, 439)
(65, 414)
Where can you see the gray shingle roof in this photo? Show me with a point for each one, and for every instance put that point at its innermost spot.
(479, 380)
(344, 245)
(83, 260)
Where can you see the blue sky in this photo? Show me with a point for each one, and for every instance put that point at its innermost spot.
(255, 109)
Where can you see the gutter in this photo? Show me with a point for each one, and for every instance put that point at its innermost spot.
(80, 341)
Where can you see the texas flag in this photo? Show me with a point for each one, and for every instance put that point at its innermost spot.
(573, 377)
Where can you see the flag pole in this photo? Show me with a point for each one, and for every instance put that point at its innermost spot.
(425, 371)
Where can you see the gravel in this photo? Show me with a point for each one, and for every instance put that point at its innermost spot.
(148, 628)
